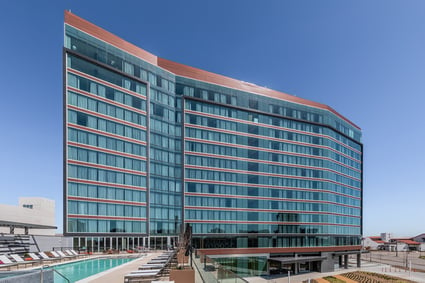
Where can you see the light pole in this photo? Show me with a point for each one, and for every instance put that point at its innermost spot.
(396, 248)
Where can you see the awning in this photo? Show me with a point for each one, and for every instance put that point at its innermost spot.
(4, 223)
(297, 259)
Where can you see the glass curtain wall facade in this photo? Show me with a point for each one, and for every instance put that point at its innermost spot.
(151, 145)
(261, 166)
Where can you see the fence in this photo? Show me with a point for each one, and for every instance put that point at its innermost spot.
(212, 272)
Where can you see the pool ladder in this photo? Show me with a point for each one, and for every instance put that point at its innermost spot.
(52, 268)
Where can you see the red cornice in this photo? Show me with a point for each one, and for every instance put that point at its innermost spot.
(225, 251)
(108, 37)
(187, 71)
(205, 76)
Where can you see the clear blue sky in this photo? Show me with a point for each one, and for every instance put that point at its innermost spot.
(366, 59)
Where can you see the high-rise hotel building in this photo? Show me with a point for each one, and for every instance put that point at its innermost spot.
(151, 145)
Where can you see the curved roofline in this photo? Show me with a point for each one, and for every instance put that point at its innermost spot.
(182, 70)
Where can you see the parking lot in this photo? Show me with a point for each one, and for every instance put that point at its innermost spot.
(400, 260)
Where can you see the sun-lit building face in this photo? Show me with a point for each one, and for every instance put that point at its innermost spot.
(152, 145)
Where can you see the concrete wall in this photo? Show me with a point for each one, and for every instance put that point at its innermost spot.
(47, 243)
(41, 213)
(328, 265)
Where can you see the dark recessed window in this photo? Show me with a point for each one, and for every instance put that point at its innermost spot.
(253, 154)
(252, 141)
(253, 203)
(253, 104)
(211, 95)
(110, 93)
(179, 89)
(136, 102)
(212, 122)
(191, 187)
(158, 110)
(252, 166)
(275, 145)
(81, 119)
(253, 179)
(289, 112)
(252, 129)
(252, 191)
(252, 216)
(84, 85)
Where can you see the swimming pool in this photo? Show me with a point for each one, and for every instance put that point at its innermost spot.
(75, 271)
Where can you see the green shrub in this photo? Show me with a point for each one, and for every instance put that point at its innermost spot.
(333, 279)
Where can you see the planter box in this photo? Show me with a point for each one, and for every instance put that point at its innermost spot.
(182, 275)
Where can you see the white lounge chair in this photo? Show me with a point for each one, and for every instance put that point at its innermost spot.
(44, 256)
(73, 252)
(64, 255)
(34, 256)
(6, 262)
(20, 260)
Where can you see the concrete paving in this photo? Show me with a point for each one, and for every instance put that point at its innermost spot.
(366, 266)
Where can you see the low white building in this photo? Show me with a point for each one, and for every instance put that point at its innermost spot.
(33, 215)
(373, 243)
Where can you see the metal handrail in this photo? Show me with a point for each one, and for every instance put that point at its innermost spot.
(53, 269)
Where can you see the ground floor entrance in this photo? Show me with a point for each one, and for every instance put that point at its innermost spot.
(106, 243)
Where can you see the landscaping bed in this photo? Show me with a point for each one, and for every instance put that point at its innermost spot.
(370, 277)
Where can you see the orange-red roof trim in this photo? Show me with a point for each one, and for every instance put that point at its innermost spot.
(108, 37)
(187, 71)
(409, 242)
(202, 75)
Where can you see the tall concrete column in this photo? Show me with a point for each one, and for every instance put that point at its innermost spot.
(358, 259)
(340, 260)
(346, 261)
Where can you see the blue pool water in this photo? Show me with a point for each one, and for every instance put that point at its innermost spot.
(82, 269)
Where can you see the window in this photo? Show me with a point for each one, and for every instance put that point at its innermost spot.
(158, 110)
(81, 119)
(253, 104)
(136, 102)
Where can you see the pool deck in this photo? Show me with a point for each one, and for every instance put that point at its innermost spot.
(115, 274)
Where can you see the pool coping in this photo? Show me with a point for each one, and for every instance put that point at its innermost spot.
(132, 265)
